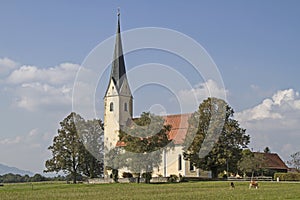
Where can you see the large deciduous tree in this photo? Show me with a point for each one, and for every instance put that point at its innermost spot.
(214, 140)
(144, 140)
(69, 153)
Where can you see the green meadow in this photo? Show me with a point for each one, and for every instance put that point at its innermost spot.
(191, 190)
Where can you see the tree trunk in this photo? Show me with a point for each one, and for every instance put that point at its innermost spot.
(214, 172)
(139, 176)
(74, 177)
(74, 173)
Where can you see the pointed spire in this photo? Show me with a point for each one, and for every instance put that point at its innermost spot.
(118, 71)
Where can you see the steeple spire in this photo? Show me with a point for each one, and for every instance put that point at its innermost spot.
(118, 71)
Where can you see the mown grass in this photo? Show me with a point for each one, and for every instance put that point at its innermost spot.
(191, 190)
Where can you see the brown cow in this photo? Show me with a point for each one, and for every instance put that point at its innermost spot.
(253, 184)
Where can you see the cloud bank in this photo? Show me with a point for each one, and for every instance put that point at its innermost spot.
(34, 88)
(274, 122)
(6, 65)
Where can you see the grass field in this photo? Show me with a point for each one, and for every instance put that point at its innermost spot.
(191, 190)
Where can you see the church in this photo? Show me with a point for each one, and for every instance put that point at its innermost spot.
(118, 109)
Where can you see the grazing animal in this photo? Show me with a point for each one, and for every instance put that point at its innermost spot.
(253, 184)
(232, 185)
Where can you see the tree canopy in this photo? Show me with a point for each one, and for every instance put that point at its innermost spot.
(144, 140)
(214, 140)
(69, 153)
(249, 163)
(267, 150)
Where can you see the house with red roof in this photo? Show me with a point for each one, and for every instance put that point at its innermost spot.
(271, 162)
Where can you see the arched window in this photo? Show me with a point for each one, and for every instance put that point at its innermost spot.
(191, 166)
(111, 106)
(125, 107)
(179, 162)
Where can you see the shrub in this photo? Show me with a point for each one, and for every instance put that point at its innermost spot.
(127, 175)
(147, 176)
(173, 178)
(115, 175)
(287, 176)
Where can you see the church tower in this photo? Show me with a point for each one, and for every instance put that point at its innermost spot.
(118, 101)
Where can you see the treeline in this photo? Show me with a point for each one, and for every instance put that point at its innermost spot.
(17, 178)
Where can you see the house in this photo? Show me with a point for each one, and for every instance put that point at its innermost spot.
(118, 109)
(271, 162)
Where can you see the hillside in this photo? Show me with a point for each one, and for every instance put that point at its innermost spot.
(4, 169)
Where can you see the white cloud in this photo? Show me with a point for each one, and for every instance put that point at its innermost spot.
(54, 75)
(47, 92)
(33, 96)
(36, 88)
(274, 122)
(9, 141)
(254, 87)
(284, 96)
(32, 139)
(7, 65)
(261, 111)
(191, 98)
(273, 108)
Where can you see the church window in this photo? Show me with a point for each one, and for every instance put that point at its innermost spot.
(125, 107)
(111, 106)
(179, 162)
(191, 167)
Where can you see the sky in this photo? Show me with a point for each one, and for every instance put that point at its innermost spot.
(254, 44)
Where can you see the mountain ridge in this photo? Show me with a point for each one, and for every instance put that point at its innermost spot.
(4, 169)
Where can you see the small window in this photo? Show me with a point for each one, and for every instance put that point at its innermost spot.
(111, 106)
(125, 107)
(179, 162)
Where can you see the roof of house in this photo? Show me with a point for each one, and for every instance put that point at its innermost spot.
(179, 126)
(272, 160)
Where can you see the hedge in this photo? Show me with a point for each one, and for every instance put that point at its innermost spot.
(287, 176)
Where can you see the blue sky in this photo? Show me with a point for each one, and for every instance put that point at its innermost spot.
(255, 44)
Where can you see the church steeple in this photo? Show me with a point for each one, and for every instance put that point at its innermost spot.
(118, 100)
(118, 71)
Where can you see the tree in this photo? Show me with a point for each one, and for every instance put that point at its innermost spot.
(295, 160)
(214, 140)
(144, 142)
(37, 178)
(267, 150)
(68, 150)
(249, 163)
(92, 136)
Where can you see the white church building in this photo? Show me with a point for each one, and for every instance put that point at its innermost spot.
(118, 109)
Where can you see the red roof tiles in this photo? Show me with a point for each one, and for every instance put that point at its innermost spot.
(179, 126)
(272, 161)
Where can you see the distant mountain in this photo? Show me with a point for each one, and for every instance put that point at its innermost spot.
(4, 169)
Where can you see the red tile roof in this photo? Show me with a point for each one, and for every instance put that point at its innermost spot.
(272, 161)
(179, 125)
